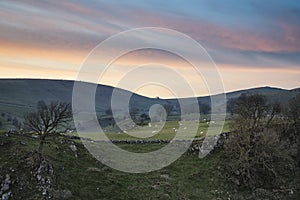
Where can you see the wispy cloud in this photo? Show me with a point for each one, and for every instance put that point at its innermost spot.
(244, 35)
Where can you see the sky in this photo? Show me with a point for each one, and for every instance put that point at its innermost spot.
(253, 43)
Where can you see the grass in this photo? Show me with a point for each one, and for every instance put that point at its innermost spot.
(166, 133)
(86, 178)
(187, 178)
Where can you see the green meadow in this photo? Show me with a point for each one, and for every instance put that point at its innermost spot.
(159, 131)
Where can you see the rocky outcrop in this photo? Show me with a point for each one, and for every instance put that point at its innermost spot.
(5, 192)
(45, 175)
(73, 149)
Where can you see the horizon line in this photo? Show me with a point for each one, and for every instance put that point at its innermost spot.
(226, 92)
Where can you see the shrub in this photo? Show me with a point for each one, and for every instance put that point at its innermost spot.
(264, 162)
(254, 154)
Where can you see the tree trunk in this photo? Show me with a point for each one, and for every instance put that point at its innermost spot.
(41, 146)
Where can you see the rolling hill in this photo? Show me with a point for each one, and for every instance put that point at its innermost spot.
(19, 96)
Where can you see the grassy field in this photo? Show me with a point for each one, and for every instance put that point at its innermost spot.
(86, 178)
(168, 131)
(83, 177)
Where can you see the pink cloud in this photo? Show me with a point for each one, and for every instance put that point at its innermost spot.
(76, 7)
(217, 35)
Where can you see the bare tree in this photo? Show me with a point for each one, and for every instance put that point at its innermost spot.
(251, 107)
(253, 112)
(48, 119)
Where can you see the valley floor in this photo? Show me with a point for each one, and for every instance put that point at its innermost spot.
(64, 175)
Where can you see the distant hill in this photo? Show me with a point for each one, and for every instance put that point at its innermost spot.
(19, 96)
(272, 94)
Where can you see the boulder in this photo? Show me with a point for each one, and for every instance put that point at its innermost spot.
(73, 149)
(6, 196)
(6, 183)
(5, 186)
